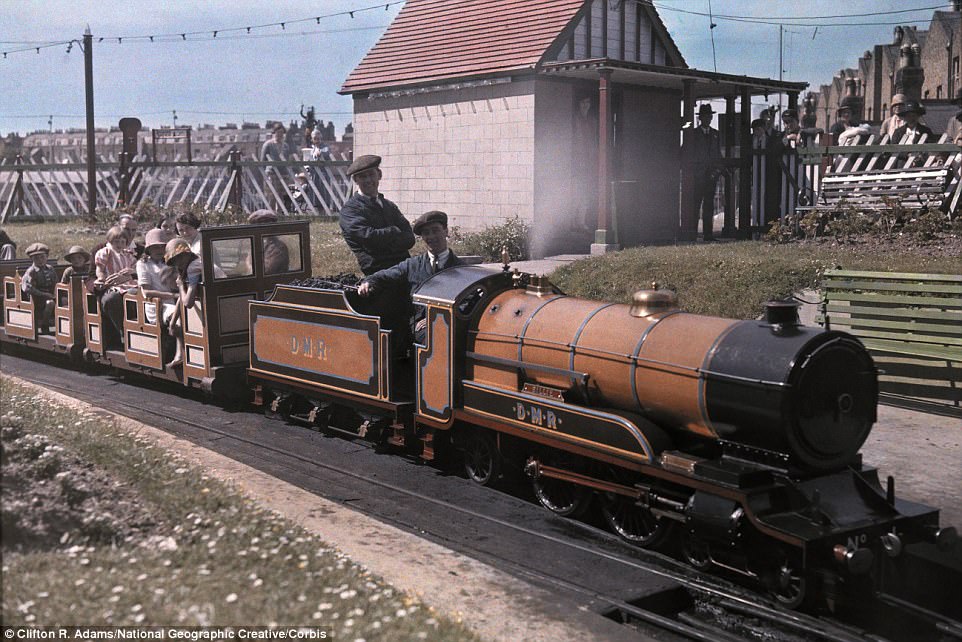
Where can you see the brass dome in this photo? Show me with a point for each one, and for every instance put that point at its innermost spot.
(645, 303)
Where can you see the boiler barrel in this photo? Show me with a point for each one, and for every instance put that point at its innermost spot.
(719, 378)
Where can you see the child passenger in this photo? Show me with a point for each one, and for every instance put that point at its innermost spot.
(79, 260)
(190, 271)
(39, 281)
(155, 278)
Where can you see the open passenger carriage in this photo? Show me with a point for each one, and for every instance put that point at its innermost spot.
(246, 263)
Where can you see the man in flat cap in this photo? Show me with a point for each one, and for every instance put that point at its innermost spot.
(373, 226)
(411, 273)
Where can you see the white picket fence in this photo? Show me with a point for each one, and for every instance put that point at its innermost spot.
(30, 190)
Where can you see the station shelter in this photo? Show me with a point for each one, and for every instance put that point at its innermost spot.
(564, 113)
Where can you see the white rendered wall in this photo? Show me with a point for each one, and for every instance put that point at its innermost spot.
(469, 153)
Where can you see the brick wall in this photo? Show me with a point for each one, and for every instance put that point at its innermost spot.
(469, 153)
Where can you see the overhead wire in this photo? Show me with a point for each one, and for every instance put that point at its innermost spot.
(212, 34)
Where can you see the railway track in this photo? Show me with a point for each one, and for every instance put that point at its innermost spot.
(693, 606)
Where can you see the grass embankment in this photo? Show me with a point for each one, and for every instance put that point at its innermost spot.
(735, 280)
(102, 527)
(722, 279)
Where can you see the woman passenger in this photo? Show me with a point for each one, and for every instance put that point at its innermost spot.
(116, 274)
(168, 222)
(187, 228)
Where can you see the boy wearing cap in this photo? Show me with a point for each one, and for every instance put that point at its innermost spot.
(893, 122)
(79, 260)
(432, 227)
(373, 226)
(39, 281)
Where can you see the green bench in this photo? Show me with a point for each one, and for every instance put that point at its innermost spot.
(911, 323)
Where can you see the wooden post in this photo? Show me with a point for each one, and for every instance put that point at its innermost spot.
(236, 193)
(745, 168)
(604, 235)
(124, 178)
(687, 216)
(91, 141)
(793, 100)
(728, 230)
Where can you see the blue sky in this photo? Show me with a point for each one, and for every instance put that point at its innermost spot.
(273, 73)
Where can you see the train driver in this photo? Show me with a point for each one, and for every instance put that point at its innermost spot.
(373, 226)
(432, 227)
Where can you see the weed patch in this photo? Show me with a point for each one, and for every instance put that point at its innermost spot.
(124, 533)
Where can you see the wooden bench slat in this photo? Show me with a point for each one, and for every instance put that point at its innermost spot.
(897, 299)
(930, 329)
(933, 315)
(880, 176)
(903, 276)
(943, 288)
(903, 336)
(902, 348)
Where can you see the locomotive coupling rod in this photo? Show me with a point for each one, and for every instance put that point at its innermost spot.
(534, 469)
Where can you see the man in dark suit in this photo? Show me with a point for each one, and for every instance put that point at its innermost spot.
(373, 226)
(701, 152)
(411, 273)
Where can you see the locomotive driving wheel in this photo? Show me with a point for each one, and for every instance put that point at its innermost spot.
(696, 552)
(560, 497)
(482, 461)
(633, 523)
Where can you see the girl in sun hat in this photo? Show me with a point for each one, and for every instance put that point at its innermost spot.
(155, 277)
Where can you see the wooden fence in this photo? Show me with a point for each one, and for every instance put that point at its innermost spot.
(801, 170)
(32, 190)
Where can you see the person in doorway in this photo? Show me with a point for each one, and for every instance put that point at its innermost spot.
(412, 272)
(701, 154)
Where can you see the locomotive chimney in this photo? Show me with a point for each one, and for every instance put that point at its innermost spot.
(781, 315)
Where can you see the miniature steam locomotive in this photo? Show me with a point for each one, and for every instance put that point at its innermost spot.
(739, 439)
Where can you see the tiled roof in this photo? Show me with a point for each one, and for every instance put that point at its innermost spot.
(435, 40)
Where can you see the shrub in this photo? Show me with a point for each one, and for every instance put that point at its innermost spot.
(147, 214)
(489, 242)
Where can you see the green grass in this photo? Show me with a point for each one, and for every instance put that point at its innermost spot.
(724, 279)
(219, 559)
(734, 279)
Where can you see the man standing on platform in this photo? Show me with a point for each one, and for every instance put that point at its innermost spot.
(373, 226)
(701, 152)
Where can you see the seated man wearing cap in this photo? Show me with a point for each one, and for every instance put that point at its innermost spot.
(432, 227)
(373, 226)
(39, 282)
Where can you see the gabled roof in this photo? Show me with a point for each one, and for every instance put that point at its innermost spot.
(437, 40)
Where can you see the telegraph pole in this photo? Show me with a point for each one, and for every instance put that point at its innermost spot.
(91, 147)
(781, 66)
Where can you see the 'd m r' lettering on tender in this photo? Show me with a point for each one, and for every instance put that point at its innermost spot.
(308, 346)
(536, 415)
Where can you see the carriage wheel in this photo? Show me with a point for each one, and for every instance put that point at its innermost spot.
(791, 586)
(561, 497)
(633, 523)
(482, 461)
